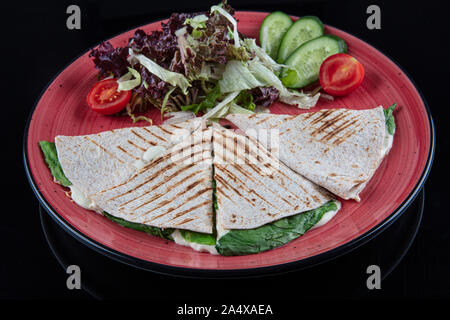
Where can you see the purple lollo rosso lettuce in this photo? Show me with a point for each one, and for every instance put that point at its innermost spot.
(210, 44)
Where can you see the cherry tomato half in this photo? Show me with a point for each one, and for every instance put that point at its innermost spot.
(105, 99)
(340, 74)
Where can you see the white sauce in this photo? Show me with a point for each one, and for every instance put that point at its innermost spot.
(81, 199)
(327, 216)
(139, 164)
(148, 156)
(387, 143)
(178, 238)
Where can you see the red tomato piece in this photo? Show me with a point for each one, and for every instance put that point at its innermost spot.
(340, 74)
(105, 99)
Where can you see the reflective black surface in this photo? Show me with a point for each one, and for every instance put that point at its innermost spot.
(103, 278)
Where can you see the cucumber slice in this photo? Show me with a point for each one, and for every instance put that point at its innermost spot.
(272, 30)
(302, 30)
(304, 63)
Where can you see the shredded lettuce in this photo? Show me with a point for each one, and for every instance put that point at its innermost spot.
(126, 82)
(222, 108)
(197, 21)
(223, 12)
(207, 103)
(138, 118)
(166, 98)
(237, 77)
(265, 59)
(234, 108)
(265, 75)
(174, 78)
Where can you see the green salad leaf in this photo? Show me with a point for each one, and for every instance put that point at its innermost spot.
(273, 235)
(223, 12)
(163, 233)
(237, 77)
(126, 82)
(266, 76)
(234, 108)
(174, 78)
(207, 103)
(51, 158)
(197, 237)
(245, 100)
(389, 116)
(197, 21)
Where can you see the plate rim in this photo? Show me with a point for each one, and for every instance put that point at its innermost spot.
(188, 272)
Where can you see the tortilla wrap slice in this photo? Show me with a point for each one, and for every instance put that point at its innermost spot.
(253, 188)
(96, 161)
(338, 149)
(174, 190)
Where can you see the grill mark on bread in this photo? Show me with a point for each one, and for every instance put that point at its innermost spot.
(166, 202)
(198, 194)
(242, 184)
(166, 131)
(258, 171)
(155, 135)
(308, 115)
(148, 166)
(283, 132)
(322, 115)
(185, 221)
(160, 184)
(182, 213)
(265, 153)
(141, 137)
(224, 183)
(328, 123)
(291, 117)
(152, 177)
(178, 214)
(103, 149)
(155, 197)
(169, 155)
(340, 140)
(262, 120)
(136, 146)
(127, 153)
(226, 196)
(340, 128)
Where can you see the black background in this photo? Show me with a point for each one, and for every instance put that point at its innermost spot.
(36, 45)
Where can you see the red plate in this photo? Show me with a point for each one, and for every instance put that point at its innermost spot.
(62, 110)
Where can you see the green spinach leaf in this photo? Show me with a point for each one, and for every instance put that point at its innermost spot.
(197, 237)
(273, 235)
(51, 158)
(163, 233)
(389, 116)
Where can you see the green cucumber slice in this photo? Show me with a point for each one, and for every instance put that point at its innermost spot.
(272, 30)
(302, 30)
(304, 63)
